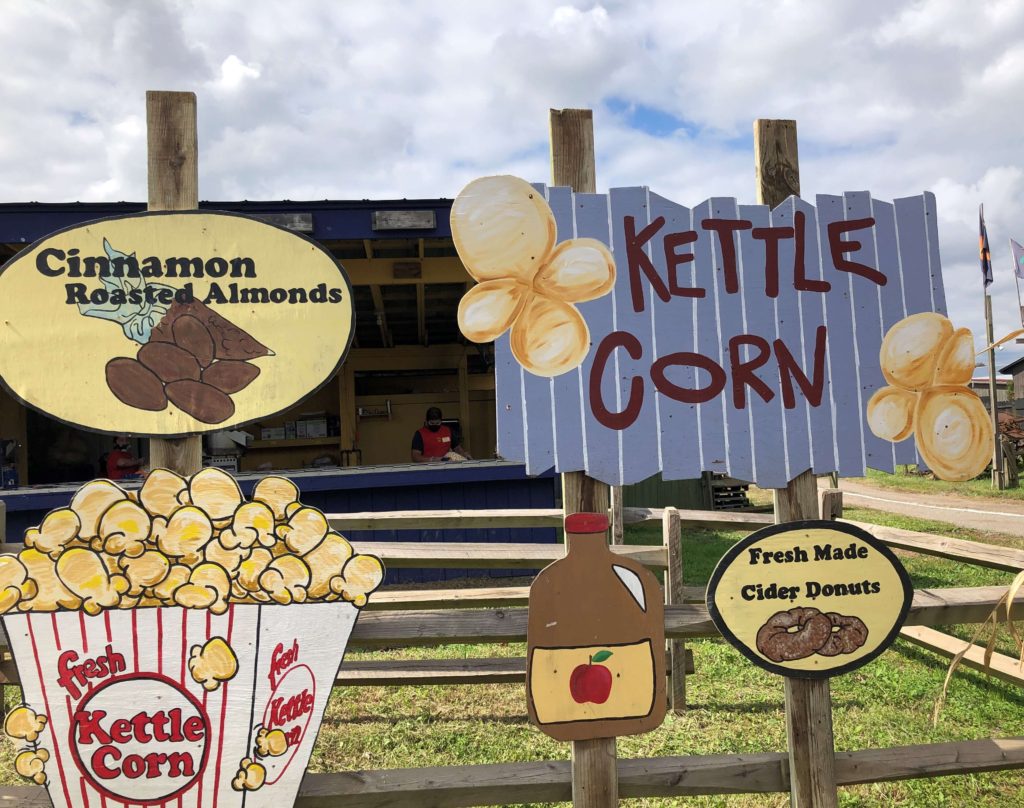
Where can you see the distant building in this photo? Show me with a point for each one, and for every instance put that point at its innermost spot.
(1005, 386)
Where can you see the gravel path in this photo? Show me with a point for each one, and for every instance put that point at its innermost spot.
(980, 513)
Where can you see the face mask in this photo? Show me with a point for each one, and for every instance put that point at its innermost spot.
(433, 427)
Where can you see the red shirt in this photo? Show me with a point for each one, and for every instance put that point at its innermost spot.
(117, 473)
(433, 444)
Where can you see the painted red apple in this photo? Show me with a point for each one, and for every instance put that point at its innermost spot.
(591, 682)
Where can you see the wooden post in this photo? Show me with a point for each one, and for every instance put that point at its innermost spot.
(831, 502)
(808, 701)
(998, 481)
(595, 779)
(672, 535)
(173, 185)
(465, 418)
(618, 528)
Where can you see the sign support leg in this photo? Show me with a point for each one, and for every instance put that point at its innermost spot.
(173, 170)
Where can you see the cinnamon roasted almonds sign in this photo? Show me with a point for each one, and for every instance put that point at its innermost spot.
(169, 324)
(809, 599)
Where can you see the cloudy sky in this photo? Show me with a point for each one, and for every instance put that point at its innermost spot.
(347, 99)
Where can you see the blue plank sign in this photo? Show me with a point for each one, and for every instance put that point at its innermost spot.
(634, 335)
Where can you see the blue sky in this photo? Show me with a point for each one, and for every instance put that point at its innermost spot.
(412, 98)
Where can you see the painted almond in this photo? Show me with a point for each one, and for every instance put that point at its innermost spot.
(891, 413)
(194, 337)
(204, 402)
(549, 337)
(134, 384)
(230, 375)
(230, 341)
(169, 362)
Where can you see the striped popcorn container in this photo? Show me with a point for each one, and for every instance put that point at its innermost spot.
(174, 707)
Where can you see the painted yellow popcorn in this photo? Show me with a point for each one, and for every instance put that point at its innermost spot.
(271, 742)
(928, 364)
(108, 551)
(58, 529)
(31, 763)
(504, 232)
(212, 663)
(24, 724)
(251, 776)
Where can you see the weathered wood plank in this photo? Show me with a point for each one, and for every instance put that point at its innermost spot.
(1000, 666)
(472, 555)
(173, 180)
(930, 607)
(531, 517)
(673, 539)
(985, 555)
(548, 781)
(493, 597)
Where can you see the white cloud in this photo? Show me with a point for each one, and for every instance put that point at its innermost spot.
(413, 98)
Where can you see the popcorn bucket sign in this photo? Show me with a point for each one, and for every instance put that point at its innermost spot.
(178, 649)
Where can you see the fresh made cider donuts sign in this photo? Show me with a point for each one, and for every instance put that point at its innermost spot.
(169, 324)
(809, 599)
(634, 335)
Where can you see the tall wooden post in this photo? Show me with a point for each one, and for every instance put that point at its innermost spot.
(998, 479)
(595, 780)
(173, 150)
(808, 701)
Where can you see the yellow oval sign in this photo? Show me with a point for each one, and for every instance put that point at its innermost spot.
(174, 323)
(809, 599)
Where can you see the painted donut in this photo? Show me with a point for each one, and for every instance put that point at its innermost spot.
(794, 634)
(847, 635)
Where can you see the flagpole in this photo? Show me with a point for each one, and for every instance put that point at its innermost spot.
(997, 454)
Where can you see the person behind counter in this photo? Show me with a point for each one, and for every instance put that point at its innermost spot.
(121, 463)
(434, 441)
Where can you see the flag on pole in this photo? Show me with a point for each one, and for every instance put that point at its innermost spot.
(983, 251)
(1017, 252)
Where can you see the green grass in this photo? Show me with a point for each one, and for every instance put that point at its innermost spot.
(734, 707)
(981, 487)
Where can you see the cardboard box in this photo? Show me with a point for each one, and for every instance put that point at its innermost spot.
(316, 427)
(272, 433)
(300, 429)
(289, 430)
(226, 462)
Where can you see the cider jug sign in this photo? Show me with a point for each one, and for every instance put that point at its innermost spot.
(595, 639)
(809, 599)
(174, 323)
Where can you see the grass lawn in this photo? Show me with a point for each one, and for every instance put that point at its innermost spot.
(981, 487)
(734, 707)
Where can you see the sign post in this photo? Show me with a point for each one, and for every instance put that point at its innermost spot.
(595, 779)
(172, 147)
(808, 701)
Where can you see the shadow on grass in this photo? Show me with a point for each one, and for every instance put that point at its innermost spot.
(1006, 690)
(422, 718)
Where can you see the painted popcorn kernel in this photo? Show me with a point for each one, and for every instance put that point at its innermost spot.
(30, 764)
(504, 232)
(58, 529)
(271, 743)
(928, 364)
(113, 553)
(250, 776)
(216, 493)
(84, 573)
(24, 724)
(212, 663)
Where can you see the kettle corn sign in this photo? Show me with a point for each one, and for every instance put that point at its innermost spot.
(171, 644)
(634, 335)
(169, 324)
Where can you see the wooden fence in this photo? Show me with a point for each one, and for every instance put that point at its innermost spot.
(431, 617)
